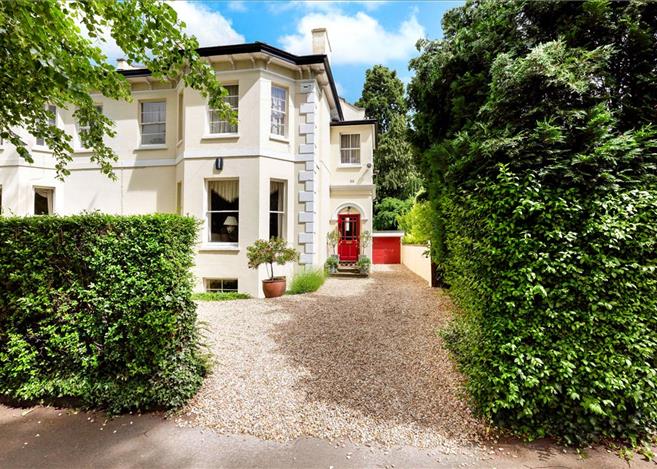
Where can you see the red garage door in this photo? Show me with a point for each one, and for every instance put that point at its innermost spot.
(386, 249)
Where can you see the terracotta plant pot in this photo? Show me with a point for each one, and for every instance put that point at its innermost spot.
(273, 288)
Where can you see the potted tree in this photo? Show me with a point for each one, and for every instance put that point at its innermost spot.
(270, 252)
(331, 264)
(365, 238)
(332, 239)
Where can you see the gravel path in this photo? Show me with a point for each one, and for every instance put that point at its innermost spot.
(358, 360)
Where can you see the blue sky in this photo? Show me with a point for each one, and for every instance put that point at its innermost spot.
(362, 33)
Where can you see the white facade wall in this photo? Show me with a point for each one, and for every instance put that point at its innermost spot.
(307, 159)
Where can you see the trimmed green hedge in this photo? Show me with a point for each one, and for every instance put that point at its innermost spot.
(98, 308)
(220, 296)
(537, 121)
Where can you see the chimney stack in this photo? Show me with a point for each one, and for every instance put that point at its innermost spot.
(321, 44)
(122, 64)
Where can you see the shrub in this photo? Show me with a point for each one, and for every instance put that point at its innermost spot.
(332, 263)
(98, 308)
(542, 168)
(388, 210)
(219, 296)
(306, 281)
(417, 223)
(363, 263)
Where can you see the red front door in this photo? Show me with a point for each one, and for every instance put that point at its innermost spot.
(349, 229)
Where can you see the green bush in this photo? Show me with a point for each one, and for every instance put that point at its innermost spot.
(364, 263)
(417, 223)
(332, 262)
(219, 296)
(542, 166)
(387, 211)
(98, 308)
(306, 281)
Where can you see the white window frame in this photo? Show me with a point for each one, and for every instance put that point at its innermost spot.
(283, 234)
(210, 111)
(52, 121)
(230, 245)
(85, 128)
(350, 150)
(284, 113)
(142, 124)
(222, 289)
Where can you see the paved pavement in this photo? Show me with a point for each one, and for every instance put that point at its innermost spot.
(51, 438)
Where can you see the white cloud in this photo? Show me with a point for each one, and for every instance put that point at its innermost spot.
(237, 5)
(358, 39)
(323, 5)
(209, 26)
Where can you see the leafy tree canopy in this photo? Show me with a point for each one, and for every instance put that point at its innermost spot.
(388, 211)
(535, 122)
(383, 96)
(47, 57)
(383, 99)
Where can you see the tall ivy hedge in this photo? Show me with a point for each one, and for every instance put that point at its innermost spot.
(536, 125)
(98, 308)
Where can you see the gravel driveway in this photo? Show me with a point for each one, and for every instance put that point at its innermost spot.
(358, 360)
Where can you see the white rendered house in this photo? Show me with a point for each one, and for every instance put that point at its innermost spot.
(297, 164)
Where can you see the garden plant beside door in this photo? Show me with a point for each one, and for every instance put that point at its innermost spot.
(270, 252)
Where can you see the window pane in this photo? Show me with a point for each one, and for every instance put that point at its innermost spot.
(153, 112)
(213, 285)
(276, 225)
(344, 156)
(223, 195)
(153, 129)
(344, 141)
(224, 227)
(152, 139)
(278, 93)
(221, 285)
(276, 196)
